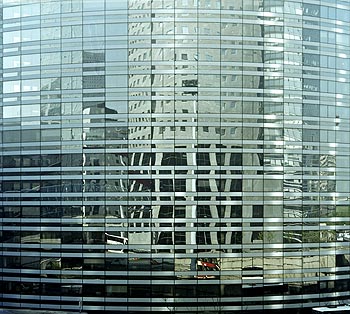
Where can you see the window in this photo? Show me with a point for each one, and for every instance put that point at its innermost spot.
(203, 159)
(11, 111)
(93, 81)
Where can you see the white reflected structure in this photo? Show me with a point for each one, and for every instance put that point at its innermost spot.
(175, 155)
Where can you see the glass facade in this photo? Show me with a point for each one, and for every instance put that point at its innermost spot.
(186, 156)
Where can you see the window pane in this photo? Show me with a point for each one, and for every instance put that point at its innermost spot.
(11, 111)
(11, 62)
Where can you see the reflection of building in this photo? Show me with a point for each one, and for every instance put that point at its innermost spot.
(186, 156)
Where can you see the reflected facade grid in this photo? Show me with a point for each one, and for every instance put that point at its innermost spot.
(188, 156)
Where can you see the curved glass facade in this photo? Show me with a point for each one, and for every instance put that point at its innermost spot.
(187, 156)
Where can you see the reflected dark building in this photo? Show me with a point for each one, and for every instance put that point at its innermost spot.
(175, 155)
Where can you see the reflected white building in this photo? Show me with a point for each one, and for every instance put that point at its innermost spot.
(181, 156)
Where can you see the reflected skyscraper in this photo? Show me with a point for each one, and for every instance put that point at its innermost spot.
(175, 155)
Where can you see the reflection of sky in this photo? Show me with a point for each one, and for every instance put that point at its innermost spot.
(21, 111)
(342, 186)
(118, 106)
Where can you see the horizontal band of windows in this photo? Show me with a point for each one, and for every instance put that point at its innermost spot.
(168, 146)
(310, 249)
(138, 201)
(75, 190)
(175, 281)
(185, 275)
(94, 190)
(127, 172)
(153, 223)
(293, 146)
(179, 300)
(161, 148)
(124, 303)
(228, 267)
(132, 177)
(120, 268)
(199, 113)
(78, 253)
(106, 220)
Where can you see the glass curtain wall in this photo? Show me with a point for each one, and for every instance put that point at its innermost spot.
(186, 156)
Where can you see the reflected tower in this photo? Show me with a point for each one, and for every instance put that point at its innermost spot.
(175, 155)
